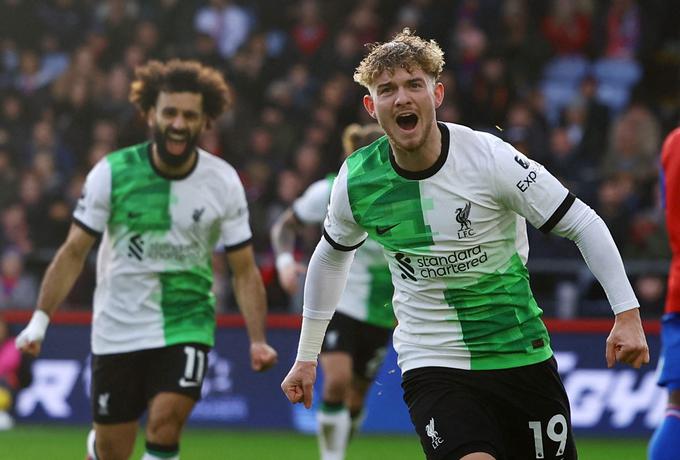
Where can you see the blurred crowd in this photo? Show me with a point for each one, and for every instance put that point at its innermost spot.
(588, 88)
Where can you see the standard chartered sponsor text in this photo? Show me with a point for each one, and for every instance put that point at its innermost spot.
(177, 252)
(456, 262)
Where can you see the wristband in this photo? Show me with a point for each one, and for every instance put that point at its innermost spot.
(283, 260)
(39, 321)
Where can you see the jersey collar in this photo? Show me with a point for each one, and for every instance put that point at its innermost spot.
(168, 176)
(432, 170)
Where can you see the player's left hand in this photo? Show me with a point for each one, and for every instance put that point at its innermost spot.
(626, 342)
(262, 356)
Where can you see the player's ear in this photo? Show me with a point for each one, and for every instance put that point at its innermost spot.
(369, 105)
(438, 94)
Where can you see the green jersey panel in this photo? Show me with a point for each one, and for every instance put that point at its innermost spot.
(368, 294)
(154, 267)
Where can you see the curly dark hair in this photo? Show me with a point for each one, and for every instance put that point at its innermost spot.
(180, 76)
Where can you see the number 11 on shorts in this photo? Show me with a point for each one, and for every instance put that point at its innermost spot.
(193, 370)
(552, 433)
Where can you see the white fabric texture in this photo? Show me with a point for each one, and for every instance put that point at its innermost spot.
(583, 226)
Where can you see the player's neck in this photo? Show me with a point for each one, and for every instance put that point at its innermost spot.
(422, 157)
(172, 170)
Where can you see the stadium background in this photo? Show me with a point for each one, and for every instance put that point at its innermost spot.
(589, 88)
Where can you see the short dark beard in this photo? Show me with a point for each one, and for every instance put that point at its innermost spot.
(168, 158)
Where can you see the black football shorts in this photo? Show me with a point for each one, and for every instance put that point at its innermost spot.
(124, 383)
(366, 343)
(513, 414)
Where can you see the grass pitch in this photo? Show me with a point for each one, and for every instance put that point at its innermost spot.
(68, 443)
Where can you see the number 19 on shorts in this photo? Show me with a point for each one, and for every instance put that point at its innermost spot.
(556, 431)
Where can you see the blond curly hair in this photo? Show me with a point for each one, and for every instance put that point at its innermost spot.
(406, 51)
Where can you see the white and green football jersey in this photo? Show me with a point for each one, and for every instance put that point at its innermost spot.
(368, 294)
(154, 271)
(455, 240)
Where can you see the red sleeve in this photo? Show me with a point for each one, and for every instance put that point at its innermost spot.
(670, 164)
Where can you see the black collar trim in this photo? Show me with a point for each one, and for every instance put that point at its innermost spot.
(170, 176)
(436, 166)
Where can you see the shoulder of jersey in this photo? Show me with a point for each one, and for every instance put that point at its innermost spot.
(215, 163)
(125, 150)
(477, 144)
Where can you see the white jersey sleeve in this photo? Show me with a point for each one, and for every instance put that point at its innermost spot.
(526, 187)
(310, 208)
(235, 227)
(340, 228)
(94, 205)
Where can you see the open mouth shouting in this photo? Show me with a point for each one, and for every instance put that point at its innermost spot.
(407, 121)
(176, 143)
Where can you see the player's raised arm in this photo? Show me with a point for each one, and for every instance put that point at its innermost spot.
(59, 278)
(252, 301)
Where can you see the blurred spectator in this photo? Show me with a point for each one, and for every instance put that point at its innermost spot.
(15, 231)
(491, 89)
(115, 19)
(525, 131)
(8, 178)
(82, 68)
(615, 200)
(65, 68)
(33, 76)
(520, 44)
(309, 31)
(64, 19)
(228, 23)
(19, 289)
(469, 45)
(307, 161)
(651, 292)
(45, 138)
(622, 29)
(365, 22)
(633, 146)
(15, 125)
(568, 26)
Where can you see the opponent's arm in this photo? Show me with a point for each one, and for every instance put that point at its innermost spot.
(626, 342)
(252, 301)
(282, 236)
(59, 278)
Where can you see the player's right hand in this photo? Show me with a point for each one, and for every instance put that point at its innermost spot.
(289, 276)
(298, 386)
(262, 356)
(30, 339)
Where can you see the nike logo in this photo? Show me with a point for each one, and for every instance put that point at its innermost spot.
(383, 230)
(134, 214)
(184, 383)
